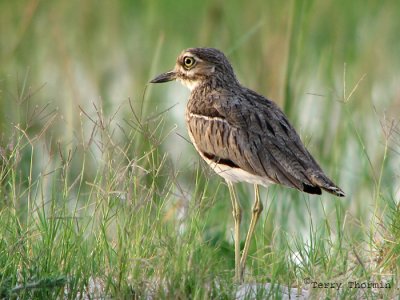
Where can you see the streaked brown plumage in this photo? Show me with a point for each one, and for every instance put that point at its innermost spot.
(242, 135)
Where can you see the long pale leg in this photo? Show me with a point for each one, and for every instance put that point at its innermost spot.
(237, 217)
(257, 209)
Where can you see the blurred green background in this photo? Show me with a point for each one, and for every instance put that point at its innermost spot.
(333, 66)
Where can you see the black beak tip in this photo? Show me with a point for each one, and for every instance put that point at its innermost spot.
(155, 80)
(165, 77)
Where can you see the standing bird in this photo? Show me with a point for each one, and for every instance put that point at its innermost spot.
(242, 136)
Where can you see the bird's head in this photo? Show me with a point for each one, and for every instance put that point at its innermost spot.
(195, 66)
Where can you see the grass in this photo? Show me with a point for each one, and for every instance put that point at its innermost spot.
(102, 196)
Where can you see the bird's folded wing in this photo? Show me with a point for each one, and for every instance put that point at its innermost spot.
(265, 143)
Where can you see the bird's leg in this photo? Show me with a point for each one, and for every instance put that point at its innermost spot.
(237, 217)
(257, 209)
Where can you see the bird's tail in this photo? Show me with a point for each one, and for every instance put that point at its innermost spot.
(321, 180)
(335, 190)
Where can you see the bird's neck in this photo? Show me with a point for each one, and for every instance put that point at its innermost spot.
(213, 83)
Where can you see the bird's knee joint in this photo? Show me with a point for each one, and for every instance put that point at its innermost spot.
(237, 215)
(257, 209)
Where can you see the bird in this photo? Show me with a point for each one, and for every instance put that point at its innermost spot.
(242, 136)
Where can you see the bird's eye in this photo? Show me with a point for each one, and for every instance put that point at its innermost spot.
(188, 61)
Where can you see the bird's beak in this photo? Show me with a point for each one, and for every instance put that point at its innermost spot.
(164, 77)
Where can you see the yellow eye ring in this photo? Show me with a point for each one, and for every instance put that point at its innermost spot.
(188, 61)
